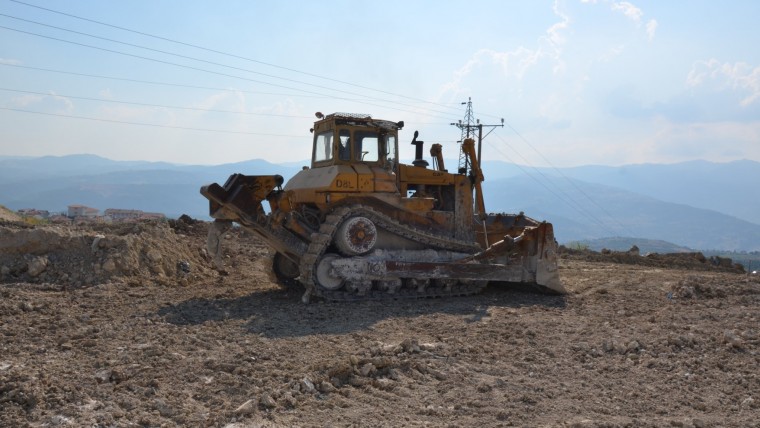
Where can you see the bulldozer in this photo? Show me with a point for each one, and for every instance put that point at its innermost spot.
(358, 224)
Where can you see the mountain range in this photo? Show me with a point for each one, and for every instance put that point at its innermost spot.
(699, 204)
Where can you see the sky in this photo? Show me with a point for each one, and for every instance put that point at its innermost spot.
(203, 82)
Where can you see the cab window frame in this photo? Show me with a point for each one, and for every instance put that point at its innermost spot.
(323, 147)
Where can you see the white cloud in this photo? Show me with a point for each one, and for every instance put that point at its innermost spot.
(10, 61)
(612, 53)
(555, 35)
(68, 105)
(651, 29)
(226, 100)
(629, 10)
(26, 100)
(632, 12)
(517, 62)
(555, 32)
(59, 104)
(737, 76)
(139, 114)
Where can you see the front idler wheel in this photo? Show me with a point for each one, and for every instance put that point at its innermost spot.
(325, 274)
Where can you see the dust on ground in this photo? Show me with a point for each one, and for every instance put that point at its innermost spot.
(130, 325)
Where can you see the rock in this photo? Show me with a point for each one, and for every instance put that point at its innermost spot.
(246, 408)
(384, 384)
(356, 381)
(184, 218)
(698, 423)
(366, 369)
(109, 266)
(687, 292)
(634, 251)
(613, 345)
(410, 346)
(97, 243)
(267, 401)
(731, 339)
(289, 400)
(164, 409)
(103, 376)
(36, 266)
(4, 271)
(307, 386)
(153, 255)
(633, 346)
(183, 267)
(60, 420)
(326, 387)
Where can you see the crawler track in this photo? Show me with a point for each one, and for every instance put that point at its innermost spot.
(321, 241)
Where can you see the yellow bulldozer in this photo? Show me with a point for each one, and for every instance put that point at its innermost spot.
(358, 224)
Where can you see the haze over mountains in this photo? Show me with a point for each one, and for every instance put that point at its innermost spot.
(699, 204)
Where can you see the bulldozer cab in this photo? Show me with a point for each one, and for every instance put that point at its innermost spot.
(346, 139)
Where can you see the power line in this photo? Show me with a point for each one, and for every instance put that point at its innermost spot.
(189, 57)
(228, 54)
(189, 67)
(179, 85)
(147, 124)
(564, 197)
(149, 82)
(601, 208)
(154, 105)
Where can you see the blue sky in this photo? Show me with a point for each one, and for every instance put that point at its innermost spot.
(577, 82)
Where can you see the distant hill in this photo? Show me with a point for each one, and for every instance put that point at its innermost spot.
(585, 211)
(53, 183)
(584, 203)
(625, 244)
(731, 188)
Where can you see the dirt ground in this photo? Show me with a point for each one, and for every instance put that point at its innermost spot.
(130, 326)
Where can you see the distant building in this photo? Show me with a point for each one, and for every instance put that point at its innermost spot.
(116, 214)
(81, 211)
(122, 215)
(152, 216)
(59, 219)
(35, 213)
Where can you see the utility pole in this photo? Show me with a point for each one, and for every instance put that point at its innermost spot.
(468, 126)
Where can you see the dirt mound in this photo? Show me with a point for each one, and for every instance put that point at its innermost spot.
(695, 261)
(74, 256)
(8, 216)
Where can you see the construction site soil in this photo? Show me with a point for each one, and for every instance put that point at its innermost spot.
(131, 325)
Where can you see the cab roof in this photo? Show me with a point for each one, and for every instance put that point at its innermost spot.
(360, 119)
